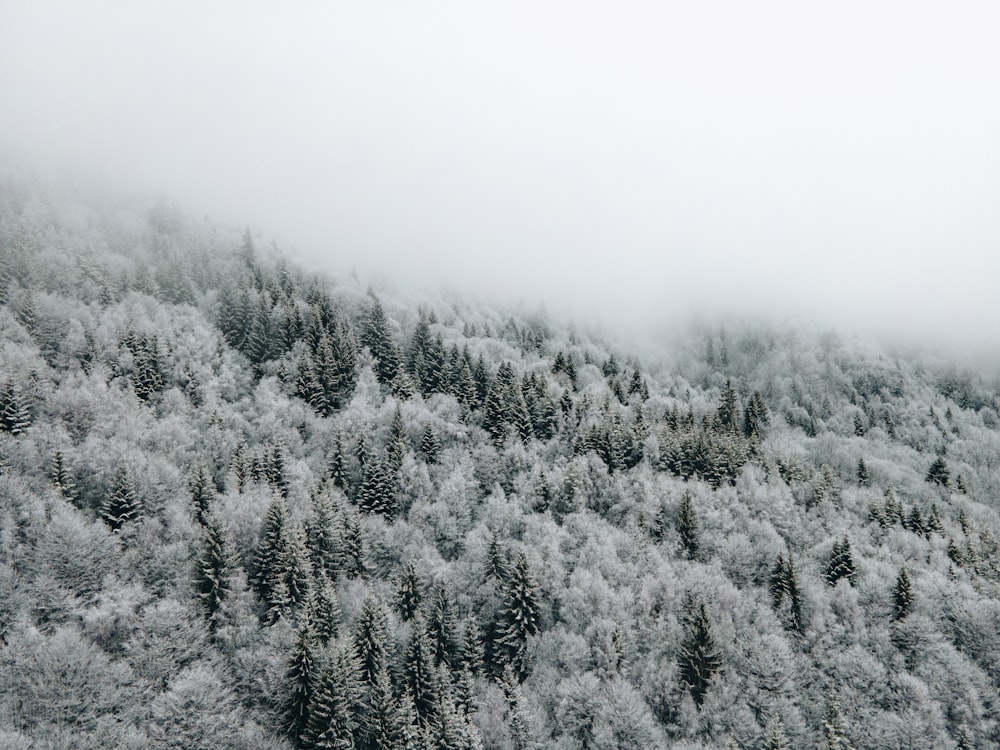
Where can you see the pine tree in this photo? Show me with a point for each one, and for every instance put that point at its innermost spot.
(324, 609)
(495, 568)
(376, 337)
(14, 415)
(430, 445)
(687, 527)
(212, 566)
(300, 678)
(395, 446)
(727, 417)
(378, 492)
(321, 535)
(783, 585)
(61, 477)
(775, 738)
(383, 719)
(333, 712)
(202, 494)
(518, 616)
(419, 674)
(441, 628)
(938, 472)
(370, 638)
(409, 592)
(273, 562)
(336, 469)
(841, 563)
(699, 658)
(122, 504)
(755, 417)
(834, 734)
(902, 596)
(863, 479)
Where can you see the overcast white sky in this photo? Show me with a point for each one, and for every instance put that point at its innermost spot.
(629, 160)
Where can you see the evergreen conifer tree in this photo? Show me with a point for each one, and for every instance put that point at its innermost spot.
(409, 592)
(687, 527)
(121, 504)
(863, 479)
(370, 638)
(430, 445)
(61, 477)
(336, 467)
(699, 658)
(202, 494)
(14, 415)
(518, 616)
(301, 678)
(212, 568)
(938, 472)
(419, 674)
(902, 596)
(841, 563)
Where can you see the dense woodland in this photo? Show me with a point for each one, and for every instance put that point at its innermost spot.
(243, 505)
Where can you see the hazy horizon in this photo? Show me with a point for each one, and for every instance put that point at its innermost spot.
(625, 166)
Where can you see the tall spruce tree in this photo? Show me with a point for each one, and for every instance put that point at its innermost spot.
(902, 596)
(687, 527)
(301, 680)
(699, 657)
(841, 564)
(212, 568)
(121, 505)
(518, 617)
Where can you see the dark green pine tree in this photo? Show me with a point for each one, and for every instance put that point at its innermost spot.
(783, 585)
(834, 733)
(471, 654)
(340, 371)
(376, 337)
(335, 466)
(441, 628)
(300, 678)
(121, 505)
(420, 678)
(775, 737)
(371, 634)
(202, 494)
(864, 480)
(61, 477)
(687, 527)
(518, 616)
(382, 720)
(902, 596)
(727, 417)
(15, 417)
(755, 417)
(418, 355)
(430, 445)
(212, 567)
(396, 442)
(495, 412)
(274, 469)
(495, 568)
(321, 534)
(699, 658)
(352, 544)
(335, 708)
(273, 561)
(378, 491)
(323, 608)
(938, 472)
(409, 592)
(841, 563)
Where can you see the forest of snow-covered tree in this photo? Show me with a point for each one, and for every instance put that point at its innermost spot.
(246, 505)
